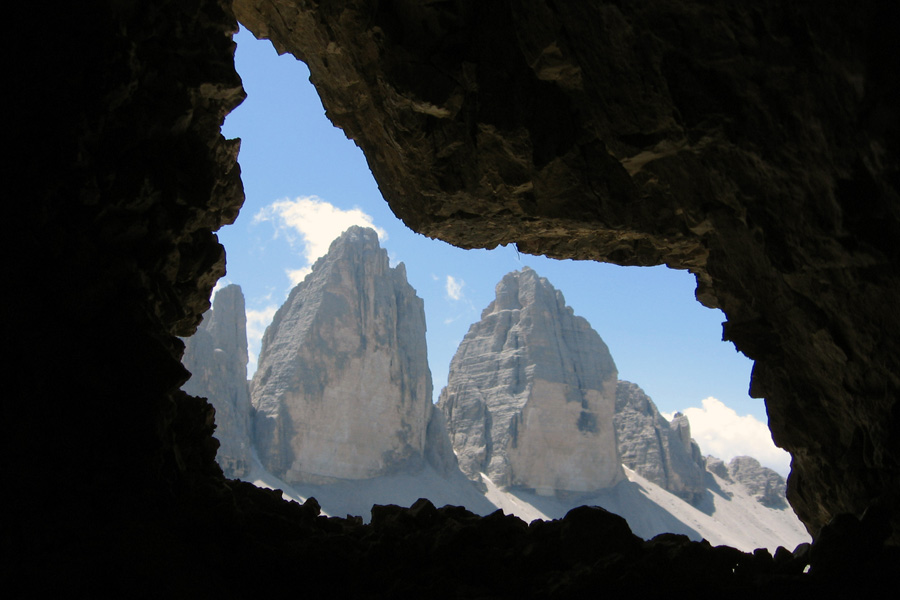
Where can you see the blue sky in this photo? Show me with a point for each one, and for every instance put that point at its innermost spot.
(305, 183)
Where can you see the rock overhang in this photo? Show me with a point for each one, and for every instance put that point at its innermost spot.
(793, 238)
(739, 143)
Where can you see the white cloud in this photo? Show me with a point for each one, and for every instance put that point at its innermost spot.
(720, 431)
(298, 275)
(257, 321)
(454, 287)
(313, 223)
(309, 224)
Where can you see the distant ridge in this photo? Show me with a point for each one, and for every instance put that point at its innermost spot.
(656, 449)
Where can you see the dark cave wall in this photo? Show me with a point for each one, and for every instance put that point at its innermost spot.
(120, 177)
(755, 146)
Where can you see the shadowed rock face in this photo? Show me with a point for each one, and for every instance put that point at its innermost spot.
(656, 449)
(755, 146)
(531, 394)
(127, 176)
(217, 358)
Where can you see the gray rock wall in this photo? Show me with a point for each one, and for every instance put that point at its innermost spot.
(217, 358)
(531, 394)
(343, 389)
(656, 449)
(767, 486)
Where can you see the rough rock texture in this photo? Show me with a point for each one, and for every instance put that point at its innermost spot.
(217, 358)
(123, 176)
(717, 465)
(531, 392)
(767, 486)
(343, 389)
(120, 176)
(754, 144)
(656, 449)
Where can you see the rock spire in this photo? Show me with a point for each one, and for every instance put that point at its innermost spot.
(531, 394)
(343, 389)
(655, 448)
(217, 358)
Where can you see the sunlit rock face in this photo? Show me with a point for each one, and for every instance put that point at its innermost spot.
(754, 144)
(531, 394)
(343, 389)
(217, 357)
(655, 448)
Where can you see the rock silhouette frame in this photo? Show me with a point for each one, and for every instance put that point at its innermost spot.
(756, 147)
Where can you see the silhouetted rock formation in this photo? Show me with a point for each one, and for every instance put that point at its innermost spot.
(217, 358)
(531, 393)
(753, 143)
(343, 389)
(656, 449)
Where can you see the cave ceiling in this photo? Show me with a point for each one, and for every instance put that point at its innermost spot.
(754, 146)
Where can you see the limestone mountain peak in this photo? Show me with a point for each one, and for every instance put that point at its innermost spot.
(525, 287)
(531, 393)
(355, 236)
(343, 389)
(217, 358)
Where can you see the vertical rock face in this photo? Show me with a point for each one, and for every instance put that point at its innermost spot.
(531, 394)
(217, 358)
(343, 389)
(656, 449)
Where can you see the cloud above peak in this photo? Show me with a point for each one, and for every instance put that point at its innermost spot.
(722, 432)
(311, 224)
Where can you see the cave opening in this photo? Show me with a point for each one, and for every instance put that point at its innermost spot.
(305, 182)
(132, 178)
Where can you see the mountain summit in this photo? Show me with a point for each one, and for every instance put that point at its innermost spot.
(343, 390)
(217, 357)
(531, 394)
